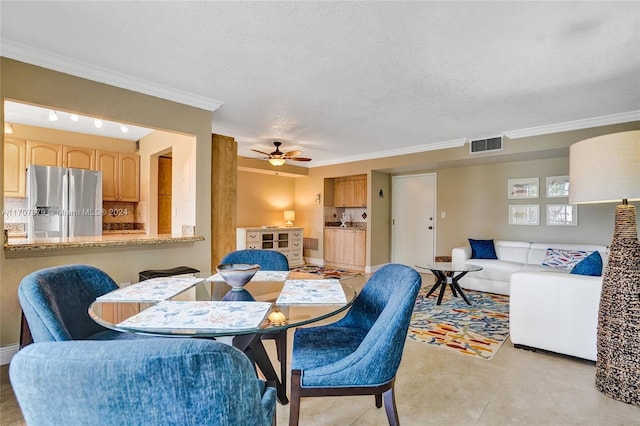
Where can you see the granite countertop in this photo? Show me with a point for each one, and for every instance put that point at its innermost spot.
(33, 246)
(122, 231)
(348, 227)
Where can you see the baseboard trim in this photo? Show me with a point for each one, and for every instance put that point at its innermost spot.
(7, 352)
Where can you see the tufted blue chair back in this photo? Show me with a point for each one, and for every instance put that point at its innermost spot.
(383, 311)
(153, 381)
(269, 260)
(55, 301)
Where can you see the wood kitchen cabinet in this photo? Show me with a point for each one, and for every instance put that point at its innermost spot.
(44, 154)
(78, 157)
(120, 175)
(15, 165)
(350, 191)
(345, 247)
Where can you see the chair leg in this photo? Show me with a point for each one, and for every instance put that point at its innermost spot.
(378, 400)
(390, 407)
(281, 349)
(294, 402)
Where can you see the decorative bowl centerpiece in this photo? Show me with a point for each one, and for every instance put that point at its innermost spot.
(237, 274)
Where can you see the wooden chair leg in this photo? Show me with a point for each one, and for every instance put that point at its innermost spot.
(390, 407)
(294, 402)
(378, 400)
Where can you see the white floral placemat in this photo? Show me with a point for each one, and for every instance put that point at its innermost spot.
(311, 292)
(259, 276)
(153, 290)
(199, 316)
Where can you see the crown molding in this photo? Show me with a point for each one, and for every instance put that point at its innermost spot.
(586, 123)
(393, 152)
(41, 58)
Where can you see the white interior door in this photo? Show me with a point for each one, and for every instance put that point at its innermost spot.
(413, 219)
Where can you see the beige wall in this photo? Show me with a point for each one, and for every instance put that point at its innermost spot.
(263, 198)
(472, 190)
(26, 83)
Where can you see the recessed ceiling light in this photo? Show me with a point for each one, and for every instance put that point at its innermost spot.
(97, 123)
(123, 128)
(52, 115)
(75, 117)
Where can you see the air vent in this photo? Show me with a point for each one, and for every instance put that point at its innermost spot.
(485, 145)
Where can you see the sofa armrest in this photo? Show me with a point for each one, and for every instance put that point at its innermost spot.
(555, 311)
(460, 254)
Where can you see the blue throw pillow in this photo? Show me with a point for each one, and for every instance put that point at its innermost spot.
(482, 249)
(590, 265)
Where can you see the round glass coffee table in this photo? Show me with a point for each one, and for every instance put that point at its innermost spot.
(449, 273)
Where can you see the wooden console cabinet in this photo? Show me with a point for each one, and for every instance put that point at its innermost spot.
(287, 241)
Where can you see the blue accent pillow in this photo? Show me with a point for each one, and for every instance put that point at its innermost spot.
(590, 265)
(482, 249)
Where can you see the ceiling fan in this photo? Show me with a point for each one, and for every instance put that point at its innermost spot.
(278, 158)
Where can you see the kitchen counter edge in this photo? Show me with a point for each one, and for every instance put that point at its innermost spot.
(23, 246)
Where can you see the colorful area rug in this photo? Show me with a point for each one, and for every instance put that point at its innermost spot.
(327, 272)
(477, 330)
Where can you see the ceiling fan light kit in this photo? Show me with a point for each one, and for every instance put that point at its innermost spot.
(278, 158)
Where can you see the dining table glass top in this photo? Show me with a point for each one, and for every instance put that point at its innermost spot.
(205, 306)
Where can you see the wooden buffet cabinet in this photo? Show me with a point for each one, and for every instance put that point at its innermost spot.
(287, 241)
(120, 171)
(345, 247)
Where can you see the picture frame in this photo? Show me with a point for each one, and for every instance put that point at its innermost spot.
(523, 188)
(557, 186)
(524, 214)
(562, 215)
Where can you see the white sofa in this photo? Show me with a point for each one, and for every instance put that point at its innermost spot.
(555, 311)
(513, 256)
(549, 308)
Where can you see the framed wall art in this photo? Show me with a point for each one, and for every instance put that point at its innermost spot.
(562, 215)
(557, 186)
(523, 188)
(525, 214)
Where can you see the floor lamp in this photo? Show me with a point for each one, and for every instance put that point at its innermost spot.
(607, 169)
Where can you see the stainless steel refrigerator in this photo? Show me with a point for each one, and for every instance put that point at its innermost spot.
(63, 202)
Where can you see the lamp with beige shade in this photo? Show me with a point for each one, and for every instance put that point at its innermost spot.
(601, 170)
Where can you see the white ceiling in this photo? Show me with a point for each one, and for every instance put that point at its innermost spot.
(351, 80)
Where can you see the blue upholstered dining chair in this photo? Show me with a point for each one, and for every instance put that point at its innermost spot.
(154, 381)
(269, 260)
(55, 302)
(360, 353)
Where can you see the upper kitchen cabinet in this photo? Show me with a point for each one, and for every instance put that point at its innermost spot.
(44, 154)
(120, 176)
(78, 158)
(350, 191)
(15, 164)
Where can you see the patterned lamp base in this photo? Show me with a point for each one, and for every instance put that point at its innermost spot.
(618, 362)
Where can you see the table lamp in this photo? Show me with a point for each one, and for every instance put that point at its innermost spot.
(289, 217)
(601, 170)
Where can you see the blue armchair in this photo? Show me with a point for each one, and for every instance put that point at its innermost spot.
(153, 381)
(360, 353)
(269, 260)
(55, 302)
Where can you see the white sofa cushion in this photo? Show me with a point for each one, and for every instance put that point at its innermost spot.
(494, 270)
(512, 251)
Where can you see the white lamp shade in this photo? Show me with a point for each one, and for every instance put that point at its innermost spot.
(289, 215)
(605, 169)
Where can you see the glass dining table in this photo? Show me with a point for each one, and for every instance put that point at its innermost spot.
(204, 306)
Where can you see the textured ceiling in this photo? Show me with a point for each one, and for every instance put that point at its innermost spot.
(350, 80)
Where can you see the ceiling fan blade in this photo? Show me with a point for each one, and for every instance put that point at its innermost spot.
(260, 152)
(298, 158)
(293, 153)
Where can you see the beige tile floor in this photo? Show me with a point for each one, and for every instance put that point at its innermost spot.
(439, 387)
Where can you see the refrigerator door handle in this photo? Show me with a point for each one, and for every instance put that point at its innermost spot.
(64, 215)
